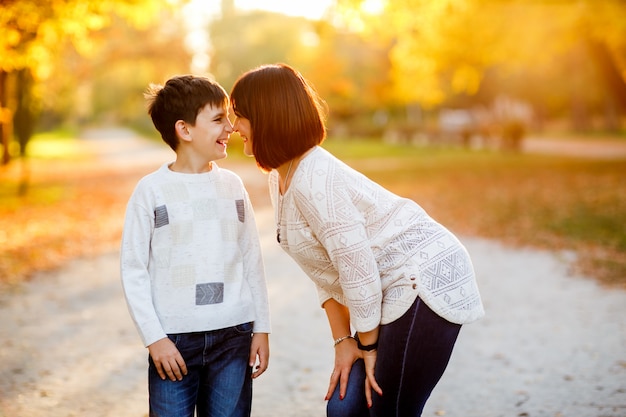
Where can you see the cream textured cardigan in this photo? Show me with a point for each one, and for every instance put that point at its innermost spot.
(370, 249)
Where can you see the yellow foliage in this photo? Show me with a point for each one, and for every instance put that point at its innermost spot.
(32, 31)
(443, 47)
(466, 79)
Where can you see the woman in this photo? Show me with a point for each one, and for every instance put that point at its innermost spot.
(381, 265)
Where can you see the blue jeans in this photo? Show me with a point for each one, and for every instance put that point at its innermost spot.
(413, 353)
(218, 382)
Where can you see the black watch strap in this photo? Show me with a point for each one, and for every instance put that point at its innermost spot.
(367, 348)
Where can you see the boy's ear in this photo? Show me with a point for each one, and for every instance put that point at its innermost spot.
(181, 130)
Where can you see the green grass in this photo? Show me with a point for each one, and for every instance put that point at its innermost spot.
(58, 144)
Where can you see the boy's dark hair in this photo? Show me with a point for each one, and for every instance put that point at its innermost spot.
(181, 98)
(286, 115)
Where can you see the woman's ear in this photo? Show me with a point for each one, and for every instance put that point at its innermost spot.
(182, 131)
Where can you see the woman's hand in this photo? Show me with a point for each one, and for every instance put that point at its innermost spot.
(370, 381)
(346, 353)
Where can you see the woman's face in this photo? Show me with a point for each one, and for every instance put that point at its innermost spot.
(242, 126)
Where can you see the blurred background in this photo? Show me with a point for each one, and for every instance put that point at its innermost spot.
(476, 72)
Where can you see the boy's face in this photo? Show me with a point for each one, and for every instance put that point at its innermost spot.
(211, 132)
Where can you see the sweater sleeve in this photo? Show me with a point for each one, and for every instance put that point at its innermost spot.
(254, 270)
(334, 216)
(135, 253)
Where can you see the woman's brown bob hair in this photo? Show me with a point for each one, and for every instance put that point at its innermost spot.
(286, 115)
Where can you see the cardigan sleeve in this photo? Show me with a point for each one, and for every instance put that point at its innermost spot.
(331, 210)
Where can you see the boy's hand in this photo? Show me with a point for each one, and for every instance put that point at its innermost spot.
(260, 349)
(167, 359)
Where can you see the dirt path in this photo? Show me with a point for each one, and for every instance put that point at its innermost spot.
(597, 149)
(551, 344)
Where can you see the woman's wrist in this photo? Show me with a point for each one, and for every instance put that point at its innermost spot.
(367, 348)
(341, 339)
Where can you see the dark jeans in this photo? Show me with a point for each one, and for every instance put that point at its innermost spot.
(413, 353)
(218, 382)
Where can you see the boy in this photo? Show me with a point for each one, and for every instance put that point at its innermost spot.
(191, 265)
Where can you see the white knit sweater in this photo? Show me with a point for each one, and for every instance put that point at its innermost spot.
(190, 257)
(370, 249)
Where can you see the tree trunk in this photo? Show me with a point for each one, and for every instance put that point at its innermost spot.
(24, 120)
(611, 115)
(5, 120)
(612, 79)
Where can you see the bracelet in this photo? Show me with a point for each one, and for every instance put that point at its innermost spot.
(367, 348)
(341, 339)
